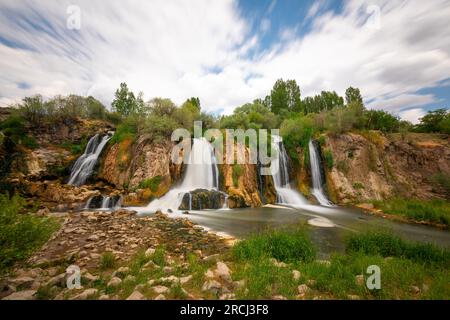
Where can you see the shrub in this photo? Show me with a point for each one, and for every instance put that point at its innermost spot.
(20, 233)
(152, 184)
(126, 130)
(287, 246)
(107, 261)
(14, 128)
(237, 172)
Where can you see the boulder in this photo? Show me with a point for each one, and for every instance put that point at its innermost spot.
(136, 295)
(22, 295)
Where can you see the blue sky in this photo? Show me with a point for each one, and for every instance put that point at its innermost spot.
(229, 52)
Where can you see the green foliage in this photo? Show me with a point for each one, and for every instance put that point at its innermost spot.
(75, 148)
(286, 246)
(324, 102)
(125, 101)
(254, 115)
(381, 120)
(437, 211)
(297, 132)
(285, 97)
(152, 184)
(328, 157)
(14, 128)
(107, 261)
(358, 185)
(126, 130)
(386, 244)
(237, 172)
(20, 233)
(435, 121)
(353, 95)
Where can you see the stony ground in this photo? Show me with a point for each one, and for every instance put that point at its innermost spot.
(153, 257)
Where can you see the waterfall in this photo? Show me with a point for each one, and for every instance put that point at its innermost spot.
(104, 203)
(85, 164)
(201, 173)
(225, 203)
(317, 175)
(280, 174)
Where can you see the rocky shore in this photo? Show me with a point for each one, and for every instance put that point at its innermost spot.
(84, 240)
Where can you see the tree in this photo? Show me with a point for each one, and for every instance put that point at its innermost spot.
(125, 101)
(353, 95)
(435, 121)
(195, 102)
(285, 97)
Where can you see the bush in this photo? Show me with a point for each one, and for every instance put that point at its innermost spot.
(152, 184)
(20, 233)
(386, 244)
(126, 130)
(286, 246)
(14, 128)
(107, 261)
(328, 156)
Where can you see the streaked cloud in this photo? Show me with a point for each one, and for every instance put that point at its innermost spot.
(204, 48)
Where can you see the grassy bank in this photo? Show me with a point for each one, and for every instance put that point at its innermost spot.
(20, 233)
(434, 211)
(404, 266)
(276, 264)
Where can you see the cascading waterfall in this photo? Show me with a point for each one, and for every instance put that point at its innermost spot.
(104, 203)
(280, 174)
(85, 164)
(317, 176)
(201, 173)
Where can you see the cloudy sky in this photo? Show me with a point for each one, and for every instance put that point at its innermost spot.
(228, 52)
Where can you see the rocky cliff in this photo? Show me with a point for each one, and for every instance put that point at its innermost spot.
(371, 166)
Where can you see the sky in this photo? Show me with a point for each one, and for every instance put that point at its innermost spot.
(228, 52)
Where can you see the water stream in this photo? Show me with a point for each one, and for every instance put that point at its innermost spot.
(85, 164)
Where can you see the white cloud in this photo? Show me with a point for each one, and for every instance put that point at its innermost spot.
(412, 115)
(186, 48)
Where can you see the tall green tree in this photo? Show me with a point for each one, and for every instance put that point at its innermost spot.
(353, 95)
(285, 97)
(125, 101)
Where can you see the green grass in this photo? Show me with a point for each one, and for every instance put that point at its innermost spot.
(386, 244)
(409, 264)
(437, 211)
(107, 261)
(286, 246)
(75, 148)
(20, 233)
(152, 184)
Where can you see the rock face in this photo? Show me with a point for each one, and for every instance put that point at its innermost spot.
(129, 163)
(375, 166)
(245, 185)
(203, 199)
